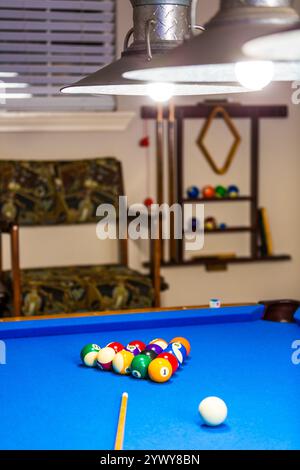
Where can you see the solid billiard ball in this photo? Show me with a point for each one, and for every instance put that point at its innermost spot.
(154, 347)
(140, 365)
(161, 342)
(233, 191)
(193, 192)
(178, 350)
(184, 341)
(105, 358)
(150, 353)
(208, 192)
(221, 192)
(89, 354)
(160, 370)
(117, 347)
(137, 344)
(213, 411)
(122, 362)
(172, 360)
(131, 348)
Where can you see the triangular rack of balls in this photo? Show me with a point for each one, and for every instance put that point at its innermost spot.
(158, 360)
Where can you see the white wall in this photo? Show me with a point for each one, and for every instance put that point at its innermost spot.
(280, 172)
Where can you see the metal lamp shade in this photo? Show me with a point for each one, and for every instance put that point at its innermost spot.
(212, 55)
(283, 45)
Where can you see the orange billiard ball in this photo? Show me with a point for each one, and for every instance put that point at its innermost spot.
(183, 341)
(160, 370)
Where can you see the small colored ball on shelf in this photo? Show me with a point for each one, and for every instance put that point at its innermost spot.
(194, 224)
(171, 358)
(148, 202)
(140, 365)
(154, 347)
(161, 342)
(213, 411)
(105, 358)
(122, 362)
(233, 191)
(184, 341)
(208, 192)
(221, 192)
(137, 344)
(223, 226)
(210, 223)
(117, 347)
(89, 354)
(193, 192)
(151, 354)
(179, 351)
(160, 370)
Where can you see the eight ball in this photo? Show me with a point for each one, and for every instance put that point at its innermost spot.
(151, 354)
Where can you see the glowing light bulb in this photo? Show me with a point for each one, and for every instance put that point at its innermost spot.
(254, 75)
(161, 92)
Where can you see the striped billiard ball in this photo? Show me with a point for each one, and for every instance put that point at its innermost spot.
(89, 354)
(122, 362)
(178, 350)
(160, 342)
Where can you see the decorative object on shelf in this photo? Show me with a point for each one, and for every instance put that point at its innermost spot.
(208, 192)
(233, 191)
(219, 111)
(221, 192)
(266, 247)
(210, 223)
(148, 202)
(194, 225)
(223, 226)
(193, 192)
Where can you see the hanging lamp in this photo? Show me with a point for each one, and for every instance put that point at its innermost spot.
(159, 26)
(217, 54)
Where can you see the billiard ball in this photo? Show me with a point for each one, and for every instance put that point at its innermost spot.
(233, 191)
(193, 192)
(178, 350)
(140, 365)
(117, 347)
(150, 353)
(184, 341)
(89, 354)
(160, 370)
(213, 411)
(137, 344)
(210, 223)
(221, 192)
(161, 342)
(122, 361)
(208, 192)
(105, 358)
(131, 348)
(154, 347)
(172, 360)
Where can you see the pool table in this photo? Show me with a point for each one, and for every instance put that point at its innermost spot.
(49, 400)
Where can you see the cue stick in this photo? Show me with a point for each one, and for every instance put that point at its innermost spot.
(121, 423)
(160, 163)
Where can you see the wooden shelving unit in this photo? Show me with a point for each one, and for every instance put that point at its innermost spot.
(176, 139)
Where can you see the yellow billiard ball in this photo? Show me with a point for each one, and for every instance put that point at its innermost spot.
(160, 370)
(122, 362)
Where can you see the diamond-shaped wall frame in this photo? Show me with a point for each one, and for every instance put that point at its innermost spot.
(219, 110)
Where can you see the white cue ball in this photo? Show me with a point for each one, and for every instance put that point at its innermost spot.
(213, 411)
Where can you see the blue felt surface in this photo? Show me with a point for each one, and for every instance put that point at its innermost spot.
(49, 401)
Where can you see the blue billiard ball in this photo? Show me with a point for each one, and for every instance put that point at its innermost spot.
(233, 191)
(193, 192)
(178, 350)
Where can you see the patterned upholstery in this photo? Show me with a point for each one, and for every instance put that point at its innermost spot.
(83, 289)
(52, 193)
(35, 193)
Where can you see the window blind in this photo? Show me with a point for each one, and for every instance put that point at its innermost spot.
(46, 44)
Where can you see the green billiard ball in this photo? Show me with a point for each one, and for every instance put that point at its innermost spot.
(139, 366)
(89, 354)
(221, 192)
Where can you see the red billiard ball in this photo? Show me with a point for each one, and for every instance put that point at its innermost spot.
(136, 344)
(208, 192)
(172, 360)
(117, 347)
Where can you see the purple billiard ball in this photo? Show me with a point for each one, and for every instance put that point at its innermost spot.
(133, 349)
(154, 347)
